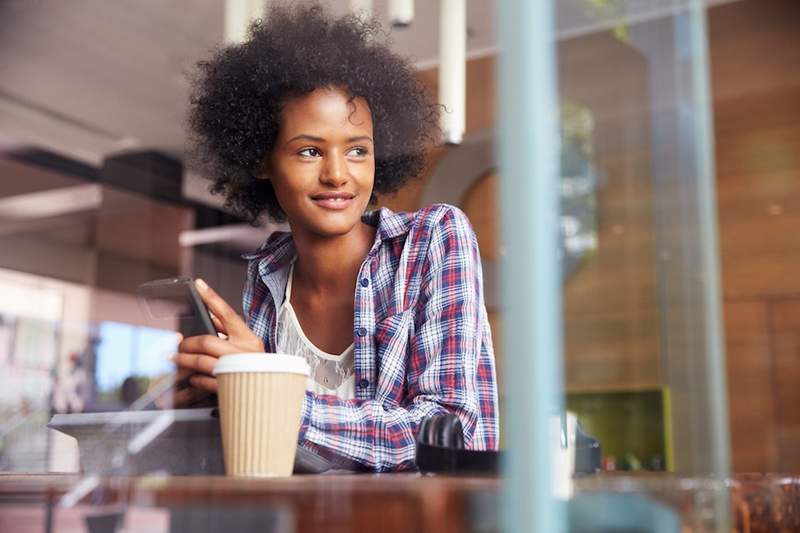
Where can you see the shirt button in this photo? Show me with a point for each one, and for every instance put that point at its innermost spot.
(364, 282)
(363, 383)
(361, 332)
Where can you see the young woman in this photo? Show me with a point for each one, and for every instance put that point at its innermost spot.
(307, 121)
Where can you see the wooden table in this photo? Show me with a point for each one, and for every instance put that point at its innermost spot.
(331, 503)
(381, 503)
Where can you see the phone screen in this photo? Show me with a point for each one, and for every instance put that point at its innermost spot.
(176, 299)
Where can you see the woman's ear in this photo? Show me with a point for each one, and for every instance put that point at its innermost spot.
(262, 171)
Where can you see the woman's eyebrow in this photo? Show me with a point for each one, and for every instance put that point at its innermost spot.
(305, 137)
(313, 138)
(360, 138)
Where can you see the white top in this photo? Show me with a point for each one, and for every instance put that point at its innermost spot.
(330, 374)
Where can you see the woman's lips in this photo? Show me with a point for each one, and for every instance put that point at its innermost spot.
(334, 202)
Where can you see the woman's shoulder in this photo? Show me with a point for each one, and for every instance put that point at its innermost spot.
(418, 226)
(441, 218)
(429, 216)
(437, 230)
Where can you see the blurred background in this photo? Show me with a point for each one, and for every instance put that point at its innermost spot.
(97, 197)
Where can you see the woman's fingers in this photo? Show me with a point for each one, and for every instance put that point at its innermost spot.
(196, 362)
(219, 326)
(181, 373)
(228, 322)
(229, 319)
(206, 383)
(188, 397)
(207, 344)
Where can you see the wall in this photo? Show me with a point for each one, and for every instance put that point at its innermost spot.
(755, 53)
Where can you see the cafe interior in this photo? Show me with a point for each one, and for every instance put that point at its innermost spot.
(646, 330)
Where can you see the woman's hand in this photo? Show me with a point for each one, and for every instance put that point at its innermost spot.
(198, 355)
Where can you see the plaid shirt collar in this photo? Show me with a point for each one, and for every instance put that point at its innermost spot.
(279, 251)
(276, 255)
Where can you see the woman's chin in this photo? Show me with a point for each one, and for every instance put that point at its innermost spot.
(334, 226)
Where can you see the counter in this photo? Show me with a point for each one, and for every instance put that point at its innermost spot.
(382, 503)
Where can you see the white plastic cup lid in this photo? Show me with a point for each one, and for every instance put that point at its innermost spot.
(261, 362)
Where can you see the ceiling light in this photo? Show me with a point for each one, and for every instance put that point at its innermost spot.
(51, 203)
(401, 12)
(453, 68)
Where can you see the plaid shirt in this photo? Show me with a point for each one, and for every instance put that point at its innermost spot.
(421, 339)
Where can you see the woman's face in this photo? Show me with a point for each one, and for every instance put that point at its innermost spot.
(323, 165)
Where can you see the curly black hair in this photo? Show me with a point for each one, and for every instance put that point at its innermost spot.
(238, 95)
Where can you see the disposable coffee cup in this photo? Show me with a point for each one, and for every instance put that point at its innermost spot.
(260, 404)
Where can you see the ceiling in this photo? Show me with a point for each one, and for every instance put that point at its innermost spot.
(91, 77)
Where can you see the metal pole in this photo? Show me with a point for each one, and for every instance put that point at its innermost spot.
(531, 276)
(709, 268)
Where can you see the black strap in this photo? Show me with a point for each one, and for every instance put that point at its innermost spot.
(440, 449)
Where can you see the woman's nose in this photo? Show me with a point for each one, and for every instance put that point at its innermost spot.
(335, 171)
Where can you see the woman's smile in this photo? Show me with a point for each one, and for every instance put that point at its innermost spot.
(335, 201)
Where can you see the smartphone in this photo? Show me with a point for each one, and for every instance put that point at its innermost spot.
(177, 299)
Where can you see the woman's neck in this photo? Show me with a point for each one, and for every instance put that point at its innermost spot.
(328, 264)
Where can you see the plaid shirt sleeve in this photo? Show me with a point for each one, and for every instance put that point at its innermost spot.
(435, 370)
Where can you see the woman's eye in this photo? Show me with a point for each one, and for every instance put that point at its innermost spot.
(358, 151)
(309, 152)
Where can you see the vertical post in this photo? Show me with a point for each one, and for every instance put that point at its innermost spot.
(237, 15)
(709, 248)
(714, 349)
(453, 68)
(531, 276)
(257, 10)
(401, 12)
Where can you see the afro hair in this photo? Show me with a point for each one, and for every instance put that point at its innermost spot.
(238, 94)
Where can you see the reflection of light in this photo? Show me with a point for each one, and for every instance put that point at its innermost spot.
(570, 225)
(113, 355)
(244, 232)
(42, 303)
(55, 202)
(576, 186)
(775, 209)
(581, 243)
(401, 12)
(127, 350)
